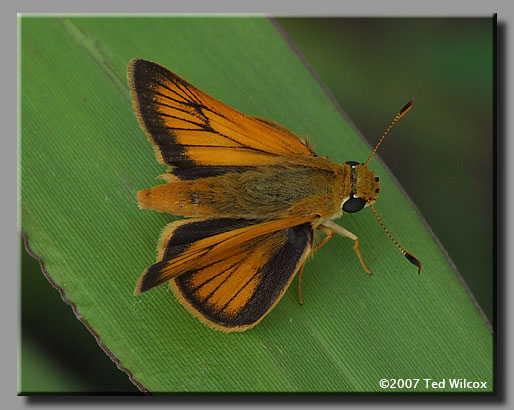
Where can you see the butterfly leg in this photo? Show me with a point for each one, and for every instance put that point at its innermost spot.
(326, 231)
(329, 234)
(343, 232)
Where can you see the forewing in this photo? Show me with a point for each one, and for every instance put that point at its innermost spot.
(190, 129)
(230, 272)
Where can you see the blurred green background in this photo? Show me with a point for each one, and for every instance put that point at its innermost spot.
(441, 153)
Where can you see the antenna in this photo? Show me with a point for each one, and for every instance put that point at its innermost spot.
(410, 257)
(402, 112)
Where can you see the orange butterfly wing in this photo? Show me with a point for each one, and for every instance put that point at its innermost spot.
(230, 272)
(190, 129)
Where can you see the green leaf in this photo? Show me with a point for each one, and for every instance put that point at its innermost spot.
(83, 159)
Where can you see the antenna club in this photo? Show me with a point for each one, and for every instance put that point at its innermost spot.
(407, 107)
(412, 259)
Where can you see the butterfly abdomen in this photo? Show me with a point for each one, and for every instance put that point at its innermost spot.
(186, 198)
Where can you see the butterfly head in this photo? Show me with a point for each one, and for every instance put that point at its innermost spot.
(364, 183)
(365, 187)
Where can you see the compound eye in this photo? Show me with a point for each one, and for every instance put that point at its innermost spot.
(352, 163)
(353, 204)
